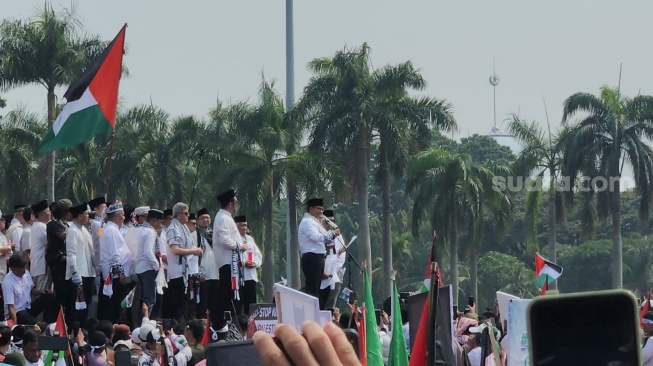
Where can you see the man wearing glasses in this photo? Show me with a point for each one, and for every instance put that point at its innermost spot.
(313, 237)
(181, 252)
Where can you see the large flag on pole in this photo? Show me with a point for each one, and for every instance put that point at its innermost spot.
(91, 101)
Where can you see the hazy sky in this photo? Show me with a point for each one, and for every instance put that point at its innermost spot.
(184, 54)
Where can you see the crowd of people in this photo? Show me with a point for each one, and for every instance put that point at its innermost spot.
(140, 263)
(195, 275)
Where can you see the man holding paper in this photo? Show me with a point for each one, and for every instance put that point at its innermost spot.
(335, 259)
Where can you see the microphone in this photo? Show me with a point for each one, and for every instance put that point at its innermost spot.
(332, 225)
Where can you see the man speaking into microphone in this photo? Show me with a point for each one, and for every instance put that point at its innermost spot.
(313, 237)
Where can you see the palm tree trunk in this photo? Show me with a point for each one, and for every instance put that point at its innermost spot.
(552, 226)
(364, 247)
(453, 257)
(51, 158)
(473, 274)
(615, 210)
(268, 251)
(386, 229)
(293, 255)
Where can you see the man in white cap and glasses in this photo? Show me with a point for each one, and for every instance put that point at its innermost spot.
(116, 263)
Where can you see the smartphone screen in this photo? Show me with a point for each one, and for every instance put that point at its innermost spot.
(598, 328)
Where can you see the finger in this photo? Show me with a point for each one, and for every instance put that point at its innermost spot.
(344, 349)
(295, 345)
(268, 350)
(320, 344)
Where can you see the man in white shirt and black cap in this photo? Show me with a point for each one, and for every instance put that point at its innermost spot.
(147, 261)
(251, 260)
(227, 247)
(98, 205)
(17, 292)
(209, 286)
(313, 238)
(80, 264)
(116, 263)
(38, 244)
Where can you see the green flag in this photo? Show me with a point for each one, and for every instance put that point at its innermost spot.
(47, 360)
(398, 355)
(374, 355)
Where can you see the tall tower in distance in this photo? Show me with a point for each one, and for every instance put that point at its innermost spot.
(495, 132)
(494, 81)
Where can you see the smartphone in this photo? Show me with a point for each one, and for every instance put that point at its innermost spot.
(53, 343)
(377, 312)
(233, 354)
(166, 324)
(471, 301)
(590, 328)
(123, 358)
(352, 297)
(227, 316)
(352, 337)
(75, 328)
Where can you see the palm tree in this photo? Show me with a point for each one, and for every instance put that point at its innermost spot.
(495, 209)
(348, 103)
(451, 189)
(50, 50)
(609, 131)
(404, 129)
(261, 135)
(541, 155)
(20, 133)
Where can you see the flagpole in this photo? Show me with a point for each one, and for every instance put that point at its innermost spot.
(109, 161)
(433, 302)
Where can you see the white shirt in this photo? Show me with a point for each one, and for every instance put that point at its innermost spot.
(312, 236)
(39, 363)
(14, 232)
(647, 353)
(39, 240)
(257, 257)
(208, 266)
(132, 239)
(3, 259)
(146, 257)
(113, 249)
(333, 263)
(96, 228)
(25, 240)
(175, 235)
(193, 261)
(474, 356)
(16, 291)
(226, 238)
(79, 252)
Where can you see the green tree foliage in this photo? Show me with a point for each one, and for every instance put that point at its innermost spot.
(607, 131)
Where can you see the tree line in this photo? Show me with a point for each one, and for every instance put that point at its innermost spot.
(359, 137)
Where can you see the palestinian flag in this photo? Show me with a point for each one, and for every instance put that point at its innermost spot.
(91, 101)
(545, 271)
